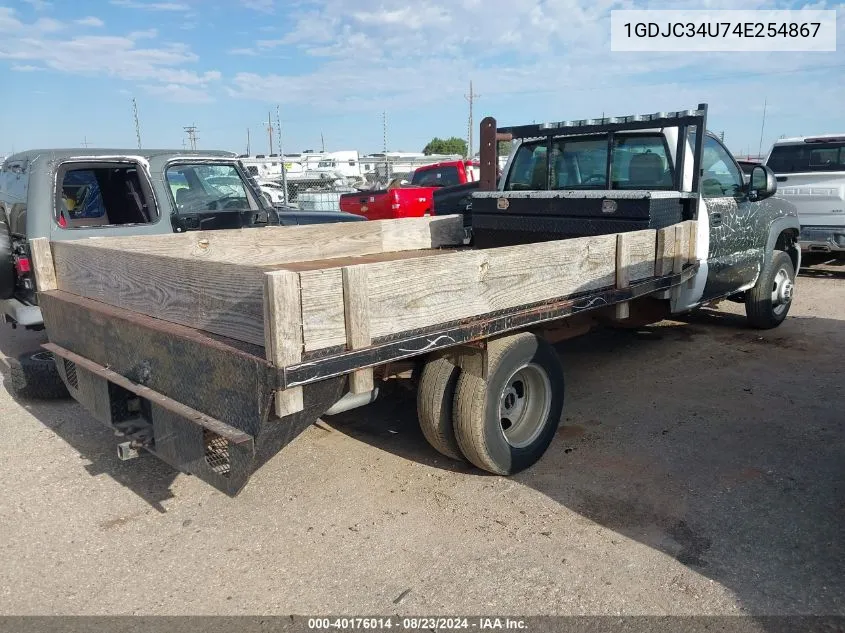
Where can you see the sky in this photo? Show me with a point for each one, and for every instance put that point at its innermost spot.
(336, 69)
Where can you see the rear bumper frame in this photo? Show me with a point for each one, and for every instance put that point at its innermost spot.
(822, 239)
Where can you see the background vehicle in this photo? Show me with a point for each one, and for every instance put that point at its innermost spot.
(811, 174)
(307, 323)
(414, 200)
(69, 194)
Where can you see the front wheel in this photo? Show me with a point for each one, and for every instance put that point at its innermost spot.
(505, 423)
(768, 302)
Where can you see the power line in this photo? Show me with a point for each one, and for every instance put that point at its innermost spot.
(471, 98)
(137, 122)
(192, 131)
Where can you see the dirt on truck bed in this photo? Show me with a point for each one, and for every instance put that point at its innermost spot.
(700, 470)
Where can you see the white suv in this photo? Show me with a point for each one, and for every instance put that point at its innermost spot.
(811, 174)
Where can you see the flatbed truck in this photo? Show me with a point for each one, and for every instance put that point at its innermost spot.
(213, 350)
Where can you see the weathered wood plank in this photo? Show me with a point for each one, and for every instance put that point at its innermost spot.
(42, 264)
(283, 332)
(693, 244)
(225, 299)
(623, 273)
(663, 252)
(679, 252)
(322, 322)
(641, 247)
(410, 294)
(356, 307)
(274, 245)
(322, 308)
(429, 232)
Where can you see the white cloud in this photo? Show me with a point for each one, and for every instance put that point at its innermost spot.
(243, 51)
(151, 6)
(26, 68)
(178, 93)
(39, 5)
(90, 21)
(425, 53)
(265, 6)
(47, 25)
(158, 67)
(148, 34)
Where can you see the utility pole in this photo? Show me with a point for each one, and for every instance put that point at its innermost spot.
(247, 142)
(137, 122)
(722, 136)
(85, 143)
(471, 97)
(762, 127)
(282, 158)
(384, 145)
(191, 131)
(323, 142)
(270, 132)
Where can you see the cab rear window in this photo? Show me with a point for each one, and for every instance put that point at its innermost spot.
(790, 159)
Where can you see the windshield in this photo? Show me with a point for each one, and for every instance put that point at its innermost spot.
(208, 187)
(790, 159)
(436, 177)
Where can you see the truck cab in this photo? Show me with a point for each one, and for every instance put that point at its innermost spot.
(592, 177)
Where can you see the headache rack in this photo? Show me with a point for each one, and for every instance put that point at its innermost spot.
(683, 120)
(519, 216)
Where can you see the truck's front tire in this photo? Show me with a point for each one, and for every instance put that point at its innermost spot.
(768, 302)
(505, 423)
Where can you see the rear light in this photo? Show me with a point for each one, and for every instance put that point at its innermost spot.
(22, 265)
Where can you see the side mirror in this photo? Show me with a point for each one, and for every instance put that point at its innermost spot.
(762, 183)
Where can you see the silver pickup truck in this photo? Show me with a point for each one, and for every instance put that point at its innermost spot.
(69, 194)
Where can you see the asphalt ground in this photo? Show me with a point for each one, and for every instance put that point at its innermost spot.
(699, 470)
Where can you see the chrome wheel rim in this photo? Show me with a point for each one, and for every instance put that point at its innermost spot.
(783, 289)
(524, 405)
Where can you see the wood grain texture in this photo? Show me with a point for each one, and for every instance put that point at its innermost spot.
(356, 308)
(225, 299)
(283, 332)
(276, 245)
(623, 263)
(42, 264)
(679, 251)
(641, 247)
(410, 294)
(428, 232)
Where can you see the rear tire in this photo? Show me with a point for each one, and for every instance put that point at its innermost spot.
(435, 394)
(505, 424)
(34, 376)
(768, 302)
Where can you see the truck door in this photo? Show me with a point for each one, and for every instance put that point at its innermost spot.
(734, 250)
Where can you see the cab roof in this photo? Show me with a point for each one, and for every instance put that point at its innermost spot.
(77, 152)
(817, 138)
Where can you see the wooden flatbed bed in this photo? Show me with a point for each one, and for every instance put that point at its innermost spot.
(214, 350)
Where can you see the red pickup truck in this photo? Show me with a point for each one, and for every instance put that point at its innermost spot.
(413, 200)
